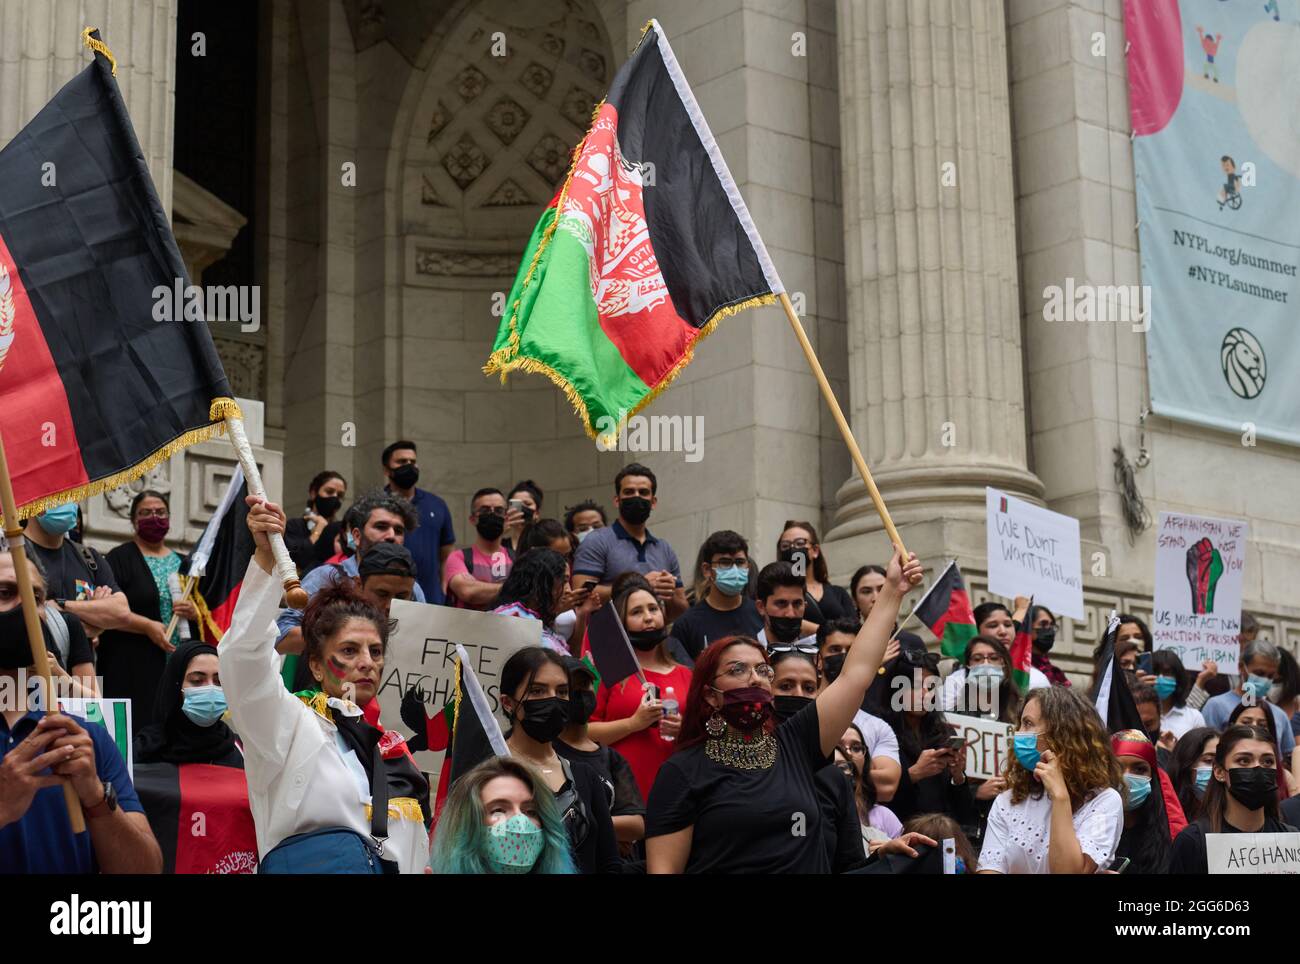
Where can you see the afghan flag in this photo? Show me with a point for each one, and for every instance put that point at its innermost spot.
(1022, 652)
(221, 559)
(199, 814)
(95, 391)
(475, 733)
(1114, 700)
(945, 609)
(643, 250)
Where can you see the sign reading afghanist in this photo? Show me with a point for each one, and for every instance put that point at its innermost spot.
(1216, 154)
(1253, 853)
(1199, 566)
(422, 653)
(1034, 551)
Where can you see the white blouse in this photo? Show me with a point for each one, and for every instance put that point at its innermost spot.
(1017, 837)
(1180, 719)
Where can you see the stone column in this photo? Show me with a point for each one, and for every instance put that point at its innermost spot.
(935, 369)
(41, 50)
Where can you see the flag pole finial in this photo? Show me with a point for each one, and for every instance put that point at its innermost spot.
(97, 45)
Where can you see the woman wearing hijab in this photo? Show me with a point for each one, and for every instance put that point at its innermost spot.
(131, 660)
(188, 763)
(1145, 842)
(330, 793)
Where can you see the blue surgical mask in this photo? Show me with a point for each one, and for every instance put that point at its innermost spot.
(1165, 686)
(62, 519)
(1139, 788)
(514, 845)
(732, 581)
(352, 543)
(1027, 753)
(1203, 775)
(986, 671)
(204, 705)
(1257, 686)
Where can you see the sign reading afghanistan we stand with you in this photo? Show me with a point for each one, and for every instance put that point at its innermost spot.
(1200, 562)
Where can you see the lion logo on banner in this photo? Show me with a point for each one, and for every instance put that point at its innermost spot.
(7, 313)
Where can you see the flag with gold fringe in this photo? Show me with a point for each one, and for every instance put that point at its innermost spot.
(93, 390)
(646, 246)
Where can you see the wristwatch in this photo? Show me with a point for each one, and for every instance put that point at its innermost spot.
(105, 806)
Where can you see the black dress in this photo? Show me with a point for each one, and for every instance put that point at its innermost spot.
(836, 603)
(747, 821)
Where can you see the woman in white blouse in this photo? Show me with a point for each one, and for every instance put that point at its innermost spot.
(312, 761)
(1062, 813)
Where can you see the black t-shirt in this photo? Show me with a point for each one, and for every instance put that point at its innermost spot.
(747, 821)
(614, 771)
(840, 824)
(66, 574)
(702, 623)
(1189, 856)
(595, 849)
(836, 603)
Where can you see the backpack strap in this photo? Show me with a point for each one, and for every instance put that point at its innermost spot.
(58, 627)
(468, 555)
(88, 557)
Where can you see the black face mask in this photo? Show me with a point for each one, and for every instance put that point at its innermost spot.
(785, 628)
(327, 505)
(647, 639)
(784, 707)
(15, 651)
(582, 704)
(1252, 786)
(489, 526)
(634, 510)
(544, 719)
(832, 665)
(405, 476)
(1045, 637)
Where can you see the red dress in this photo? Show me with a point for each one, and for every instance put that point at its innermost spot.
(645, 750)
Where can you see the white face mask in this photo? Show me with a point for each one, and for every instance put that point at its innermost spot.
(582, 535)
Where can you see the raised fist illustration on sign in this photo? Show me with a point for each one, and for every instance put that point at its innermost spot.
(1204, 567)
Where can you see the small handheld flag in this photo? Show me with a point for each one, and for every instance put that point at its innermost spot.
(945, 610)
(1022, 652)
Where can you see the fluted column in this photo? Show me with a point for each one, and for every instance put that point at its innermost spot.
(935, 374)
(41, 50)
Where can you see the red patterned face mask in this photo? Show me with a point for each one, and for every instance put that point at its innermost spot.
(746, 708)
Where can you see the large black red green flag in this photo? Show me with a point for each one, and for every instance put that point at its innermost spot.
(643, 250)
(199, 814)
(94, 391)
(945, 609)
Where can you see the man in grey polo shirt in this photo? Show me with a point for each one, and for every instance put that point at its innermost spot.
(628, 545)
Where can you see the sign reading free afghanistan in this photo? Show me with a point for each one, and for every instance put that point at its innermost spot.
(1216, 156)
(422, 653)
(988, 744)
(1034, 551)
(1200, 562)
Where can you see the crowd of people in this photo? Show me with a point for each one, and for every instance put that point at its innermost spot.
(778, 722)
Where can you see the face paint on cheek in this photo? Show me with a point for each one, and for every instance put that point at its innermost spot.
(337, 669)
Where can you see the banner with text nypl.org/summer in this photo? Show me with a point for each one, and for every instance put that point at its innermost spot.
(1216, 153)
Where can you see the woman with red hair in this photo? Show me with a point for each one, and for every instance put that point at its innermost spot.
(738, 795)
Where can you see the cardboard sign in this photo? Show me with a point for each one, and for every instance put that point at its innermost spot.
(422, 652)
(1200, 562)
(114, 714)
(988, 744)
(1253, 853)
(1034, 552)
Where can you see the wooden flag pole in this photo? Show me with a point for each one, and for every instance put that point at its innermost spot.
(845, 431)
(190, 583)
(31, 617)
(294, 594)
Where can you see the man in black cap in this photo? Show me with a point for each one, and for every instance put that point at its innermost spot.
(387, 572)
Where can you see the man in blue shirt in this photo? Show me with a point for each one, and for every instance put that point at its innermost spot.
(1260, 661)
(37, 749)
(434, 539)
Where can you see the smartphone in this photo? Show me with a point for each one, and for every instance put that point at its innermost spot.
(956, 743)
(517, 504)
(1144, 663)
(589, 583)
(1123, 866)
(654, 691)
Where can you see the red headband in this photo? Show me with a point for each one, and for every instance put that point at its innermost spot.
(1142, 749)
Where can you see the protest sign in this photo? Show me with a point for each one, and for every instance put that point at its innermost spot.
(1200, 562)
(114, 714)
(1033, 551)
(422, 652)
(987, 744)
(1253, 853)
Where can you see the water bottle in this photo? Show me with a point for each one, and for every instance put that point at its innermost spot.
(670, 709)
(174, 587)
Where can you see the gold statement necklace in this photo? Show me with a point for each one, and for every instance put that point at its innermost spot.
(742, 752)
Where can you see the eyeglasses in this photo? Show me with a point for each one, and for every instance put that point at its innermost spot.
(808, 649)
(492, 510)
(797, 544)
(980, 659)
(742, 671)
(729, 563)
(152, 513)
(855, 748)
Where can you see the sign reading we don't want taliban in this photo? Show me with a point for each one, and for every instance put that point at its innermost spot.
(422, 653)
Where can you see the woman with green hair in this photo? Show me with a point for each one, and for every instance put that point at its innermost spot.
(500, 818)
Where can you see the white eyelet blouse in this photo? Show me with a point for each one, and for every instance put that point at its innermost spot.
(1018, 835)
